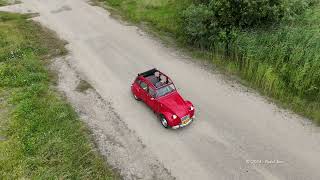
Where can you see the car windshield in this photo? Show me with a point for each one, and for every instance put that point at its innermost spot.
(165, 90)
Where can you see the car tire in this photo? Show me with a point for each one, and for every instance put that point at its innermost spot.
(135, 97)
(164, 121)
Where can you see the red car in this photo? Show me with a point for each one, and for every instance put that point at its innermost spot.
(158, 91)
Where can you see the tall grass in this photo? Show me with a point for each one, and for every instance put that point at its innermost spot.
(285, 62)
(41, 136)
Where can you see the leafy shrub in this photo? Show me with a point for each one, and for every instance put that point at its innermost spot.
(273, 44)
(197, 22)
(207, 21)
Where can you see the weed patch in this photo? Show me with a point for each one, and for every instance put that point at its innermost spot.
(83, 86)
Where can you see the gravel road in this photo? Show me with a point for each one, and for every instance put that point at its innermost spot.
(237, 134)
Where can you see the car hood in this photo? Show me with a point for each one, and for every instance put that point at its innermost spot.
(175, 103)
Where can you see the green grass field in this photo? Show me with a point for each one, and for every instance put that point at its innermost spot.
(282, 62)
(41, 136)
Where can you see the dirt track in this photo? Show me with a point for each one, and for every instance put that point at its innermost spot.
(232, 126)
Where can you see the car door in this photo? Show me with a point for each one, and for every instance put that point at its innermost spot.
(151, 99)
(136, 87)
(143, 91)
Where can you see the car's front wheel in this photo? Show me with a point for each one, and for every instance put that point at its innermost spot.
(164, 121)
(136, 97)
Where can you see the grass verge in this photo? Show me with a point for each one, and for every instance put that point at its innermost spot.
(41, 136)
(3, 2)
(8, 2)
(282, 63)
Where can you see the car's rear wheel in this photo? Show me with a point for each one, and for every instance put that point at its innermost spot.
(164, 121)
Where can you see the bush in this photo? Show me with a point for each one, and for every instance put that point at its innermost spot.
(274, 45)
(207, 21)
(197, 20)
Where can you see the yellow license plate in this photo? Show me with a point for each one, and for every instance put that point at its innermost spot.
(185, 122)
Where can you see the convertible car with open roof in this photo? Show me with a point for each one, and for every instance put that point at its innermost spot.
(159, 93)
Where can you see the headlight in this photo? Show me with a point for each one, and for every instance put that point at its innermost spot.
(174, 116)
(191, 108)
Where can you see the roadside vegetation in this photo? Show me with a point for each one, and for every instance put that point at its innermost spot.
(273, 45)
(3, 2)
(8, 2)
(41, 136)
